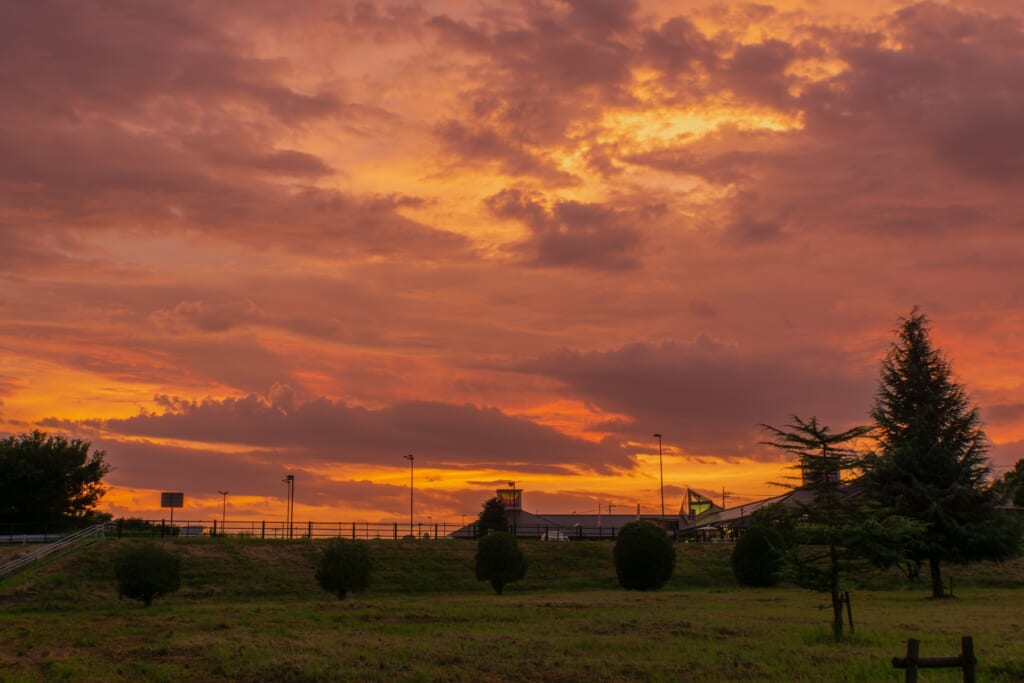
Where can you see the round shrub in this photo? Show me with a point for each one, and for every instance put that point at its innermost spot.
(344, 566)
(644, 556)
(145, 571)
(756, 558)
(499, 560)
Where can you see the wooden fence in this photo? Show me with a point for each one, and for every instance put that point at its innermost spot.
(914, 661)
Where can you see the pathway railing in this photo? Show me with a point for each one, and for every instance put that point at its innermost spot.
(273, 529)
(63, 543)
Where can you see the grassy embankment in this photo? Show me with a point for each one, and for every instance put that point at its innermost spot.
(251, 611)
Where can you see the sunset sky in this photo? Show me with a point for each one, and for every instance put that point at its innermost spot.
(242, 239)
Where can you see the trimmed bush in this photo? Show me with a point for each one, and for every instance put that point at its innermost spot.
(644, 556)
(757, 558)
(145, 571)
(499, 560)
(344, 566)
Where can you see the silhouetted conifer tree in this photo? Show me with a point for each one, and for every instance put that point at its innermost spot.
(930, 464)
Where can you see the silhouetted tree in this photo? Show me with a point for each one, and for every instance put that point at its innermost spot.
(823, 457)
(757, 556)
(146, 571)
(344, 566)
(644, 556)
(492, 517)
(49, 480)
(499, 560)
(930, 464)
(840, 532)
(1009, 488)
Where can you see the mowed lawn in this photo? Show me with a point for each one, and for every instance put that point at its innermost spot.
(251, 611)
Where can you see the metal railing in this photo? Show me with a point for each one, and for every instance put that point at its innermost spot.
(273, 529)
(35, 532)
(63, 543)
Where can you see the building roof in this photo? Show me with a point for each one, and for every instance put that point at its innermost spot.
(737, 516)
(530, 525)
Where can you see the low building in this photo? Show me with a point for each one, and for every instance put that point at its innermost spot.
(569, 526)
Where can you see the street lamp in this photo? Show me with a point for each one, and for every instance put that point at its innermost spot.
(515, 508)
(412, 469)
(224, 510)
(661, 469)
(289, 479)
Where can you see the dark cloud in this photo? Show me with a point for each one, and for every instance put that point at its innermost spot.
(202, 317)
(108, 176)
(1003, 412)
(709, 396)
(571, 233)
(602, 17)
(481, 145)
(122, 116)
(246, 155)
(677, 47)
(748, 230)
(114, 57)
(758, 71)
(322, 430)
(379, 22)
(954, 85)
(531, 78)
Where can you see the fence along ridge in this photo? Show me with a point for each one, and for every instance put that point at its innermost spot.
(94, 531)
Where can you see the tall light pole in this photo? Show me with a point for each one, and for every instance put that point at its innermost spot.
(224, 510)
(412, 469)
(661, 469)
(512, 485)
(289, 479)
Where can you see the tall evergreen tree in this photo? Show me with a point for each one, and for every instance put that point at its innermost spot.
(930, 464)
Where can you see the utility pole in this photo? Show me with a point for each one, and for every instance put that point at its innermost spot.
(412, 468)
(289, 479)
(224, 510)
(661, 469)
(724, 494)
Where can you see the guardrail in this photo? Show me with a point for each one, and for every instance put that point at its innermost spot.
(63, 543)
(274, 529)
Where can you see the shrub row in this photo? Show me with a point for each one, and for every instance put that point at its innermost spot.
(644, 559)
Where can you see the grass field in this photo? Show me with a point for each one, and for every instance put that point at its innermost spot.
(251, 611)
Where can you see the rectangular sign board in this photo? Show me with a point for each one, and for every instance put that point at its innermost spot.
(172, 500)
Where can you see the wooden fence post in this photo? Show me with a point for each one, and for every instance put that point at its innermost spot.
(965, 661)
(849, 610)
(967, 655)
(913, 650)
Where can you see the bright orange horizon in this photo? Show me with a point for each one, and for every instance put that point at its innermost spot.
(514, 240)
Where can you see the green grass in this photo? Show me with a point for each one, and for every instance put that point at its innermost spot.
(251, 611)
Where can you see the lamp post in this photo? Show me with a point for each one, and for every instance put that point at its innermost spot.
(289, 479)
(412, 469)
(512, 485)
(223, 510)
(661, 469)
